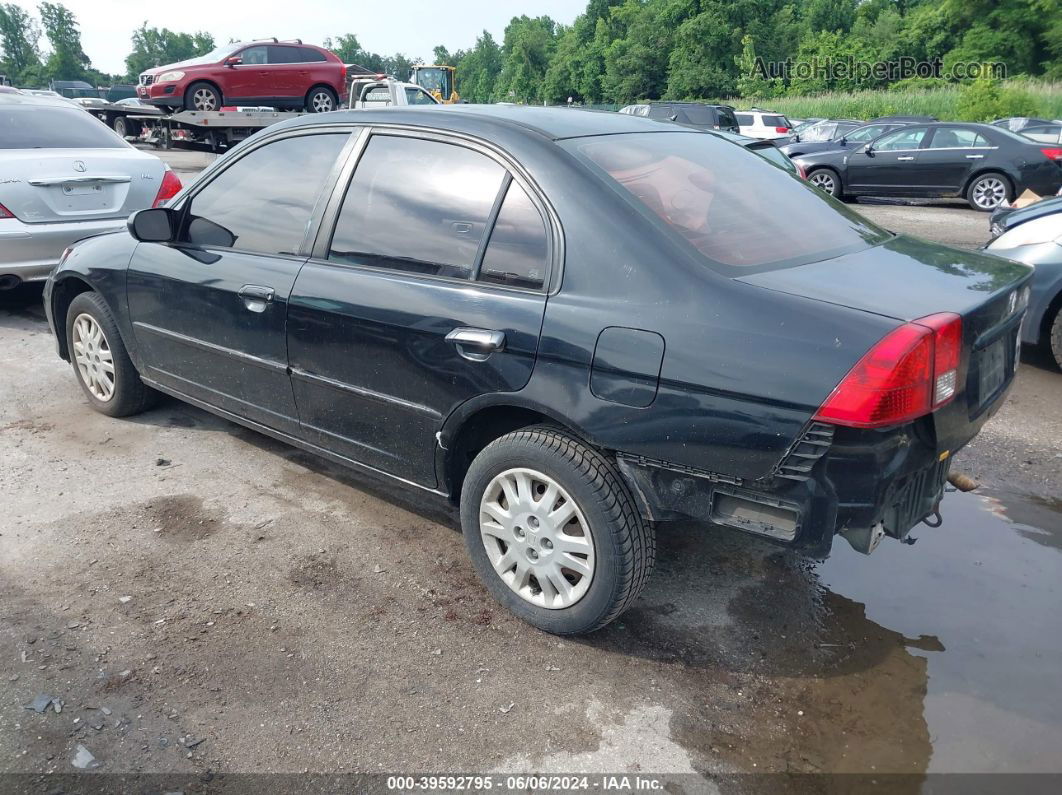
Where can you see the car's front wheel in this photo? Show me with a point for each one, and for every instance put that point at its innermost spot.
(1054, 338)
(101, 363)
(553, 531)
(988, 191)
(826, 179)
(202, 97)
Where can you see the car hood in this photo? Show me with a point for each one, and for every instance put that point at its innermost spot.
(903, 278)
(813, 147)
(831, 157)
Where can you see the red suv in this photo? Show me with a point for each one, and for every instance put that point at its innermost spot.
(280, 74)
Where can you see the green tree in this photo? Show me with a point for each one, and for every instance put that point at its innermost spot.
(153, 47)
(752, 81)
(442, 56)
(67, 60)
(19, 37)
(527, 49)
(702, 61)
(478, 70)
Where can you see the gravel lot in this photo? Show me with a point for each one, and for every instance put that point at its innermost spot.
(174, 578)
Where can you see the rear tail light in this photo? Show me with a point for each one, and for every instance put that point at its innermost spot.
(782, 129)
(5, 213)
(802, 171)
(1052, 153)
(170, 187)
(909, 373)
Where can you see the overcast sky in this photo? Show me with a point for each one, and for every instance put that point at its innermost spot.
(412, 27)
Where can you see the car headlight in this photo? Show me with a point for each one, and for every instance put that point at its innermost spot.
(169, 77)
(1039, 230)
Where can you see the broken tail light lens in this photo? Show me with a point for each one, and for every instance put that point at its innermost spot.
(170, 187)
(909, 373)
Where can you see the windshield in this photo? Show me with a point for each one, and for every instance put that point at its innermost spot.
(42, 127)
(213, 56)
(732, 206)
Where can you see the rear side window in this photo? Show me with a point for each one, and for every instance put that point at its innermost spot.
(518, 250)
(745, 119)
(42, 127)
(957, 138)
(310, 55)
(416, 205)
(251, 206)
(726, 203)
(280, 54)
(907, 138)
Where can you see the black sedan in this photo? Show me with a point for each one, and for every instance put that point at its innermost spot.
(847, 137)
(979, 162)
(570, 325)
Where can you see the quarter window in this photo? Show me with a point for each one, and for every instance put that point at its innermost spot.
(308, 55)
(417, 205)
(906, 138)
(518, 250)
(254, 206)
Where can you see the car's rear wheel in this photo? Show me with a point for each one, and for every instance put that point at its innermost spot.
(120, 126)
(203, 97)
(101, 363)
(321, 99)
(553, 531)
(1055, 338)
(826, 179)
(988, 191)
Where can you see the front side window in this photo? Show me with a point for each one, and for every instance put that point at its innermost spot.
(255, 55)
(725, 203)
(518, 250)
(417, 205)
(256, 204)
(907, 138)
(956, 138)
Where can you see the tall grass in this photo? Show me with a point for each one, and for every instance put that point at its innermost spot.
(939, 102)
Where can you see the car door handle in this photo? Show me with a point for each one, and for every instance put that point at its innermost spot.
(974, 157)
(476, 344)
(255, 297)
(904, 158)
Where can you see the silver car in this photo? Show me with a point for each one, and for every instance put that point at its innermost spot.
(65, 176)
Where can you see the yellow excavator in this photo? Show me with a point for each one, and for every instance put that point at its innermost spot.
(439, 81)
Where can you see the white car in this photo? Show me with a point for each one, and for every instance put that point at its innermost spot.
(763, 124)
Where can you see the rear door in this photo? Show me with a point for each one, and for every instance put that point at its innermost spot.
(890, 166)
(950, 156)
(209, 311)
(427, 290)
(287, 73)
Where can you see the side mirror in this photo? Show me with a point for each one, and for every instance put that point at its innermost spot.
(868, 150)
(843, 141)
(234, 60)
(155, 225)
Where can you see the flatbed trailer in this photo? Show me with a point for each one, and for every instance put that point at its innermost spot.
(218, 129)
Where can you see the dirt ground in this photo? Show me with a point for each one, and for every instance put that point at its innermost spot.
(202, 601)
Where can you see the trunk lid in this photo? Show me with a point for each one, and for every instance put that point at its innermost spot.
(907, 279)
(60, 185)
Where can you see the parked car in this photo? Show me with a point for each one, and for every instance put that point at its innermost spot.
(850, 137)
(981, 163)
(1033, 235)
(65, 177)
(764, 149)
(763, 124)
(824, 130)
(692, 114)
(569, 324)
(74, 89)
(280, 74)
(1049, 133)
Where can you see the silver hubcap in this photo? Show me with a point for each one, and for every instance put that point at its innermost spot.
(204, 99)
(823, 181)
(536, 538)
(321, 102)
(988, 193)
(93, 357)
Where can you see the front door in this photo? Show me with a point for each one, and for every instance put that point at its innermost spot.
(890, 166)
(249, 81)
(209, 310)
(431, 291)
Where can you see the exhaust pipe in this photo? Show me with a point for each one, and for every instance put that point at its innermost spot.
(9, 282)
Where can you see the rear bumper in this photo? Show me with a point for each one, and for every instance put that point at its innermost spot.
(30, 251)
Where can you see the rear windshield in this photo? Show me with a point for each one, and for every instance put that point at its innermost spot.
(739, 211)
(42, 127)
(775, 121)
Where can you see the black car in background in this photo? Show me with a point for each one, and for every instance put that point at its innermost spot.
(571, 325)
(848, 137)
(692, 114)
(979, 162)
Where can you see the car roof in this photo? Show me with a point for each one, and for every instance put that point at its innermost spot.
(553, 123)
(34, 100)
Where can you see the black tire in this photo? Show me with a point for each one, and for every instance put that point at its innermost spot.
(202, 96)
(1054, 338)
(130, 395)
(1001, 189)
(828, 181)
(120, 126)
(317, 98)
(624, 543)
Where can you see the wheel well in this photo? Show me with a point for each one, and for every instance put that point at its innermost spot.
(316, 86)
(63, 294)
(479, 430)
(982, 172)
(1049, 317)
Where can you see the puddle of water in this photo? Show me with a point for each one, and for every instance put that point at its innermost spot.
(979, 600)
